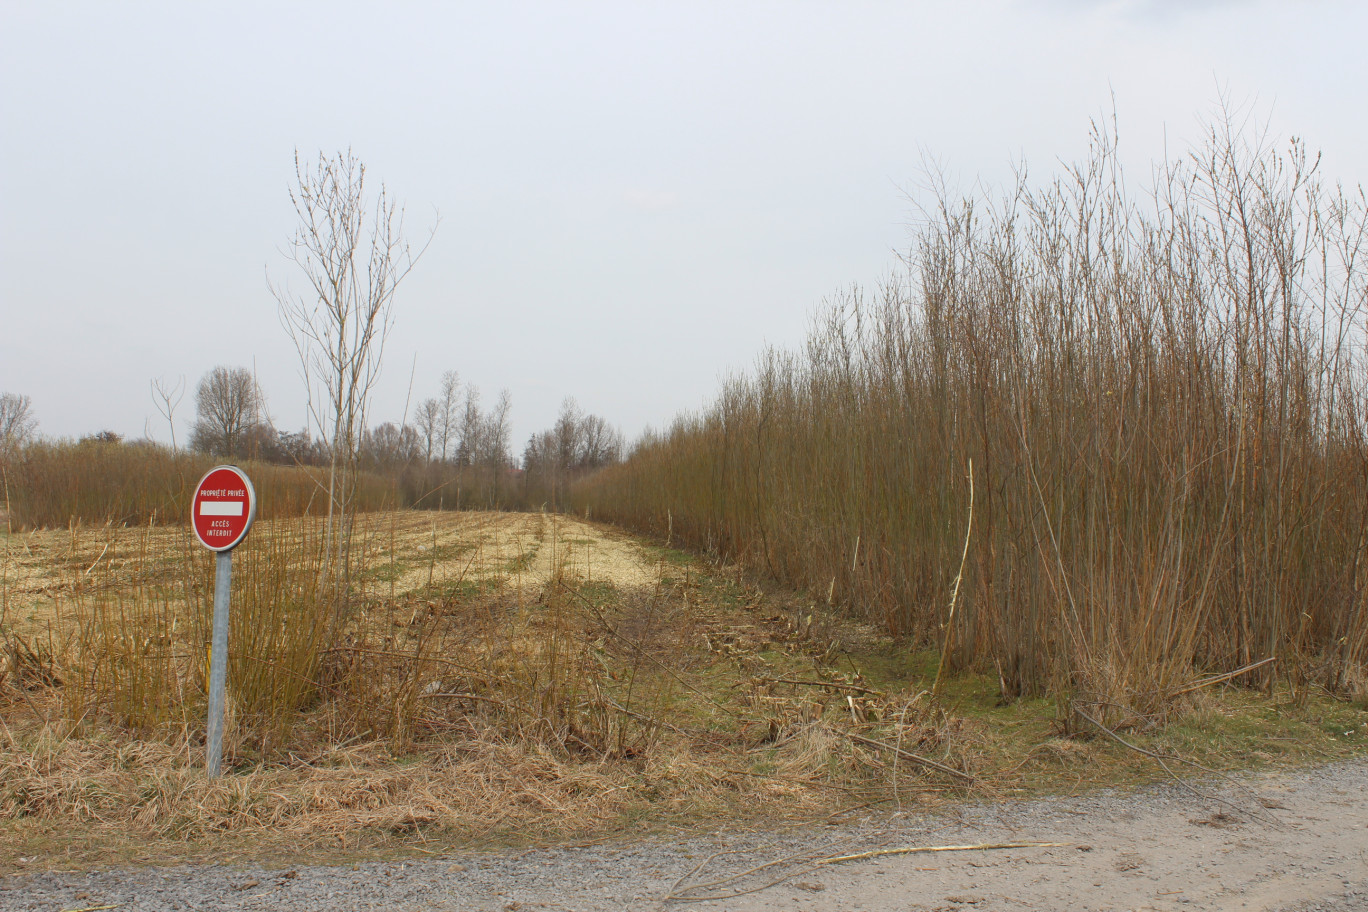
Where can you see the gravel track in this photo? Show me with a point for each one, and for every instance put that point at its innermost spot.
(1292, 842)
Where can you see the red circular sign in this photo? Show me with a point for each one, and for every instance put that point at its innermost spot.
(223, 508)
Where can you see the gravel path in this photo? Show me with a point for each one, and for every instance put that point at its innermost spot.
(1293, 842)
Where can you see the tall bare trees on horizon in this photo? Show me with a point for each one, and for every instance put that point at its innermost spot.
(576, 444)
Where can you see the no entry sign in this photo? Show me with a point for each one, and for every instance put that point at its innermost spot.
(223, 508)
(221, 512)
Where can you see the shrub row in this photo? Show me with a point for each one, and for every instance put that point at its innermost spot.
(1146, 420)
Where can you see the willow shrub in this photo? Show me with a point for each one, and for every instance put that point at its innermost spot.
(1159, 402)
(54, 484)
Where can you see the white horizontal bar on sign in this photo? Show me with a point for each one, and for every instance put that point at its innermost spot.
(221, 507)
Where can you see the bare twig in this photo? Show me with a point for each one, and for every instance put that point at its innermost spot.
(675, 895)
(954, 597)
(915, 758)
(97, 560)
(911, 850)
(1162, 761)
(1221, 678)
(833, 684)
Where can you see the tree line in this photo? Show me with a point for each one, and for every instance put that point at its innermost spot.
(454, 452)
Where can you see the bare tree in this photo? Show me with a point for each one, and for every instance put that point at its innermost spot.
(427, 421)
(228, 406)
(539, 464)
(166, 397)
(577, 444)
(469, 427)
(492, 452)
(353, 254)
(298, 448)
(388, 446)
(495, 435)
(448, 405)
(17, 423)
(599, 443)
(567, 434)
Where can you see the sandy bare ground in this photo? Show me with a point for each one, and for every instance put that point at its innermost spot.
(1160, 850)
(1286, 841)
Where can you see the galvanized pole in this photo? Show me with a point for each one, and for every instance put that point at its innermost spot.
(218, 664)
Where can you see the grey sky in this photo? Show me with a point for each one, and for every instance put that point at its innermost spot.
(635, 197)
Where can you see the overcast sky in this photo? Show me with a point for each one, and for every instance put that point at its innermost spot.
(634, 198)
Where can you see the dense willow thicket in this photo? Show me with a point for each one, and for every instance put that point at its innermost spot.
(1156, 403)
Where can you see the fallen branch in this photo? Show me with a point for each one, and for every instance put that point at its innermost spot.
(651, 720)
(1161, 760)
(1221, 678)
(691, 872)
(913, 850)
(97, 560)
(836, 684)
(915, 758)
(811, 865)
(796, 858)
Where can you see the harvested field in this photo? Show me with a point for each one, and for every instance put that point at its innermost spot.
(402, 551)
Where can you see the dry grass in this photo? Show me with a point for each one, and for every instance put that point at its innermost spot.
(553, 681)
(478, 789)
(503, 676)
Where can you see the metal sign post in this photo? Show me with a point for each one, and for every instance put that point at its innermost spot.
(221, 512)
(218, 664)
